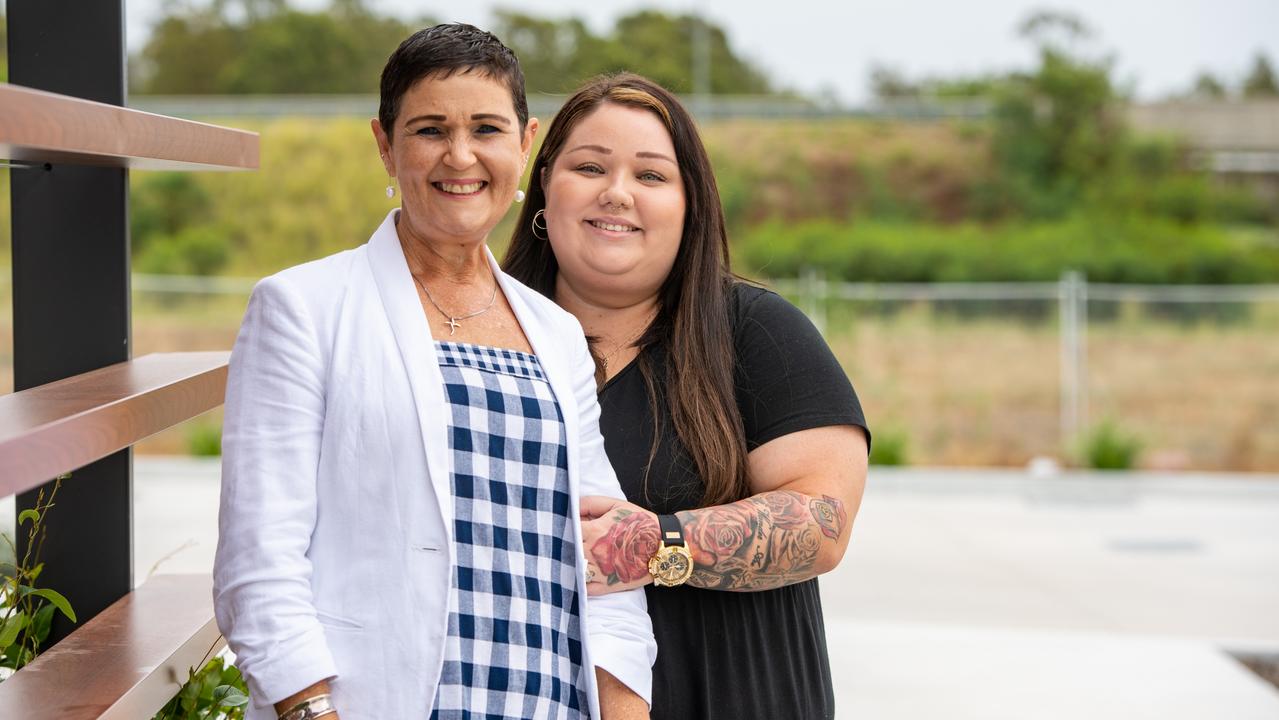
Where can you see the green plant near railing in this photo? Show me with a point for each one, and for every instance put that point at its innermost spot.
(1107, 447)
(888, 448)
(26, 611)
(204, 439)
(216, 692)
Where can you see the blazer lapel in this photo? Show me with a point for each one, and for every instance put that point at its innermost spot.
(417, 351)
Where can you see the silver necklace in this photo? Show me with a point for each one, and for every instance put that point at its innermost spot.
(455, 321)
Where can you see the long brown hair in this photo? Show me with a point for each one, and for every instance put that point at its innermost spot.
(692, 303)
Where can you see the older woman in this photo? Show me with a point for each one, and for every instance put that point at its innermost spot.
(735, 434)
(407, 434)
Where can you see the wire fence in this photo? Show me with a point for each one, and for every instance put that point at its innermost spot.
(973, 373)
(1151, 356)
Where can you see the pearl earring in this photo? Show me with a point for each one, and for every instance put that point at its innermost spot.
(390, 191)
(519, 196)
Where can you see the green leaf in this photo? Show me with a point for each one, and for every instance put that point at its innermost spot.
(13, 626)
(208, 683)
(58, 600)
(41, 623)
(29, 514)
(231, 676)
(229, 696)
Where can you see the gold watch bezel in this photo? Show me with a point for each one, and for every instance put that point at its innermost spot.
(662, 554)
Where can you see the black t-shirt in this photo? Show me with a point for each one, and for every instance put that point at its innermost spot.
(734, 655)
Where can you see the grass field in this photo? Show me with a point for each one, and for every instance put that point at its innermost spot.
(959, 390)
(986, 392)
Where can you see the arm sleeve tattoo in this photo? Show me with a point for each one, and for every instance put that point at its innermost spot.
(763, 542)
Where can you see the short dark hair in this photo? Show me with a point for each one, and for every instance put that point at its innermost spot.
(443, 50)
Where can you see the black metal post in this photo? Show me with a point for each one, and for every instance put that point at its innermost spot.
(71, 289)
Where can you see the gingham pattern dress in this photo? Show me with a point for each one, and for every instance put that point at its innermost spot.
(514, 647)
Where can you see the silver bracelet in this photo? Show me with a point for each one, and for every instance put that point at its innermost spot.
(310, 708)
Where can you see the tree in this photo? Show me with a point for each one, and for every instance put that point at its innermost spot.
(1261, 82)
(661, 47)
(263, 46)
(1207, 86)
(1058, 128)
(556, 55)
(185, 55)
(890, 84)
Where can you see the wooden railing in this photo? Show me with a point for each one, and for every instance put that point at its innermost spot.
(124, 664)
(37, 126)
(132, 657)
(53, 429)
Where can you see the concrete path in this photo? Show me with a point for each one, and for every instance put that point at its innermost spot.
(991, 594)
(987, 594)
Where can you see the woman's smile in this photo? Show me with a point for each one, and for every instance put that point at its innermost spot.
(461, 188)
(613, 227)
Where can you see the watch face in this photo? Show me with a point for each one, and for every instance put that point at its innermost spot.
(671, 566)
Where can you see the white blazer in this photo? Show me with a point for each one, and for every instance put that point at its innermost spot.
(335, 549)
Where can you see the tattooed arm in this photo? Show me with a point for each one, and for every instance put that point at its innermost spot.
(808, 487)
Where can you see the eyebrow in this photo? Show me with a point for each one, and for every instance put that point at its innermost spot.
(658, 156)
(641, 154)
(477, 116)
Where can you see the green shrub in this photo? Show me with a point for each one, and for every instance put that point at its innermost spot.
(216, 692)
(1120, 249)
(204, 439)
(888, 448)
(26, 611)
(163, 204)
(1107, 447)
(870, 201)
(200, 250)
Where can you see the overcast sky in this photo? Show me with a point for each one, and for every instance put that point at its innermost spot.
(825, 45)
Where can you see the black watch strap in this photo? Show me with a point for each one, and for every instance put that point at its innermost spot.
(672, 533)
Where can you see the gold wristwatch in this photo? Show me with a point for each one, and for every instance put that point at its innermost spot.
(672, 564)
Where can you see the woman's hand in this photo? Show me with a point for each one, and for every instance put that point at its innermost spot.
(618, 538)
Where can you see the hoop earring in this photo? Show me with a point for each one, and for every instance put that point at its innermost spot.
(540, 214)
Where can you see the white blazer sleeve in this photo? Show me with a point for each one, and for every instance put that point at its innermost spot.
(618, 623)
(271, 448)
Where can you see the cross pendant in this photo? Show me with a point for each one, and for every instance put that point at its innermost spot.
(453, 325)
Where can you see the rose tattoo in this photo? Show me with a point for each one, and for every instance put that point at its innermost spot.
(623, 553)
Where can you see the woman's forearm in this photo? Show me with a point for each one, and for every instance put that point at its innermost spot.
(618, 702)
(775, 538)
(766, 541)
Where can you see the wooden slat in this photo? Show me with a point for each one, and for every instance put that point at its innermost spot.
(55, 428)
(40, 127)
(126, 662)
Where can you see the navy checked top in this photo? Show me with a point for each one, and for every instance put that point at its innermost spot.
(514, 645)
